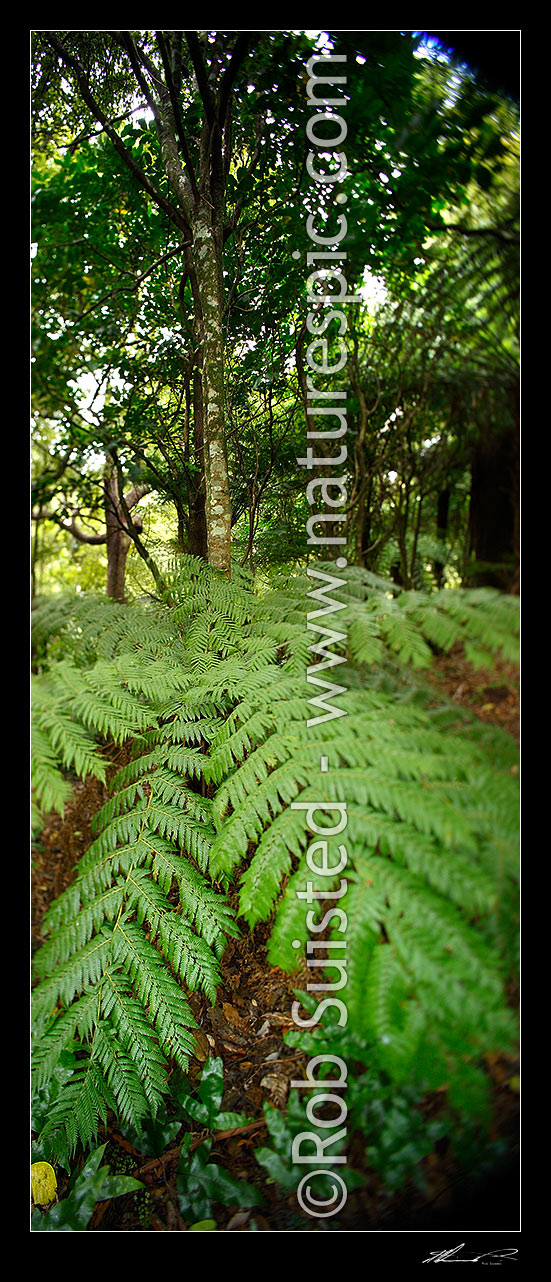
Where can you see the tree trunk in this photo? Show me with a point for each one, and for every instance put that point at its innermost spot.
(493, 518)
(199, 216)
(201, 200)
(198, 542)
(118, 540)
(442, 514)
(414, 568)
(401, 531)
(208, 264)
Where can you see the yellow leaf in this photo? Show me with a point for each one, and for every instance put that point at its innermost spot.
(43, 1183)
(201, 1045)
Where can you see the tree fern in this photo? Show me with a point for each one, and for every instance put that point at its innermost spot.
(139, 927)
(208, 690)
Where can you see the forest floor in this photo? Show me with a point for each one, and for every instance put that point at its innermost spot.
(246, 1029)
(493, 696)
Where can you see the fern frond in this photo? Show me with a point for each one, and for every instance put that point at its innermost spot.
(133, 1095)
(76, 1114)
(51, 790)
(210, 691)
(159, 993)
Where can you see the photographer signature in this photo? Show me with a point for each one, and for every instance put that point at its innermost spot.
(485, 1257)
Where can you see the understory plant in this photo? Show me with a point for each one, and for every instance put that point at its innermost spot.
(206, 697)
(200, 1181)
(91, 1184)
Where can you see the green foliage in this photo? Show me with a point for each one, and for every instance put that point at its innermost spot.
(92, 1184)
(434, 199)
(206, 1109)
(202, 702)
(276, 1157)
(200, 1183)
(155, 1134)
(399, 1120)
(208, 693)
(387, 1114)
(398, 1133)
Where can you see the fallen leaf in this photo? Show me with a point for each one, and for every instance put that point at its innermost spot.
(231, 1014)
(43, 1183)
(202, 1044)
(279, 1019)
(238, 1221)
(276, 1086)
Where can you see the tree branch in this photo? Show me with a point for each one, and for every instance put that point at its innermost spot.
(230, 75)
(496, 232)
(177, 114)
(72, 528)
(131, 289)
(201, 77)
(132, 529)
(124, 38)
(148, 186)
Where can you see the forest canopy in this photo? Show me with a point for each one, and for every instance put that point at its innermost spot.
(275, 487)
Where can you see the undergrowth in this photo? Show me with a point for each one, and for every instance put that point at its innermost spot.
(208, 690)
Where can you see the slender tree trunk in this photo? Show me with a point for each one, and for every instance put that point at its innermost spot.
(442, 515)
(401, 530)
(366, 526)
(182, 537)
(199, 191)
(416, 533)
(198, 541)
(207, 263)
(34, 553)
(201, 199)
(118, 540)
